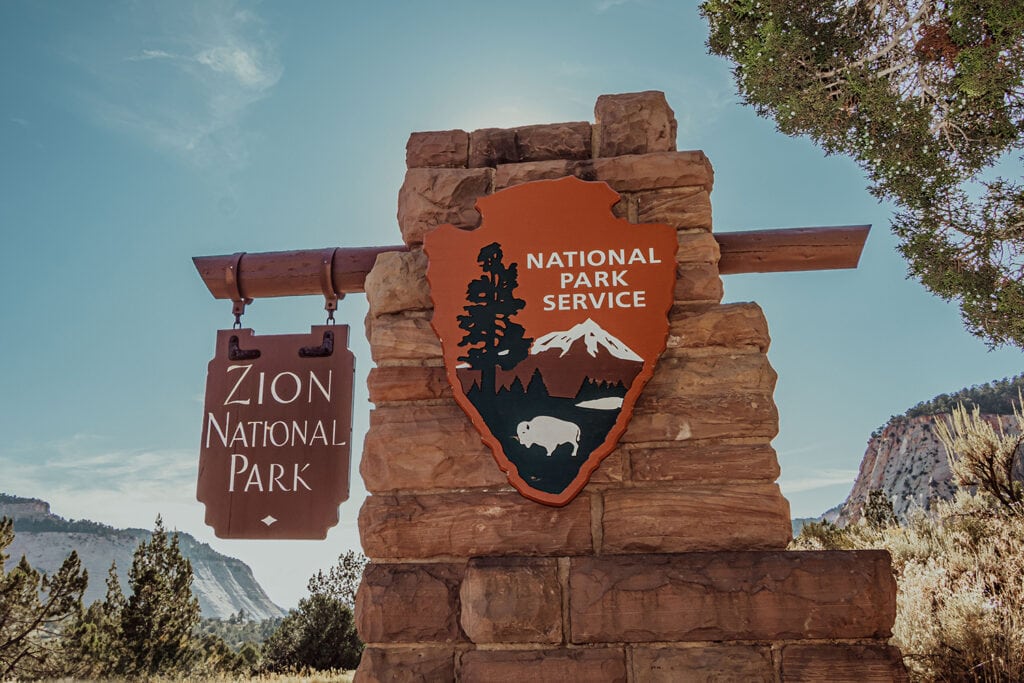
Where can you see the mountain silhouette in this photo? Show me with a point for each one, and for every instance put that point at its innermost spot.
(593, 336)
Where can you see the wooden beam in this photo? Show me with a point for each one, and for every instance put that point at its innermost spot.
(288, 273)
(792, 249)
(297, 273)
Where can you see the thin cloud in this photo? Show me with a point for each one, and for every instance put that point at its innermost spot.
(605, 5)
(185, 89)
(152, 54)
(240, 64)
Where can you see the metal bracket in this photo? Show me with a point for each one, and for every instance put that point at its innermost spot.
(331, 295)
(232, 279)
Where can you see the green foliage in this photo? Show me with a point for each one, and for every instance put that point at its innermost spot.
(993, 398)
(149, 632)
(924, 96)
(342, 580)
(94, 647)
(34, 609)
(320, 634)
(158, 618)
(878, 510)
(238, 630)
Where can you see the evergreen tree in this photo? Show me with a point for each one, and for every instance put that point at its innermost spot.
(924, 96)
(158, 618)
(34, 610)
(342, 580)
(494, 340)
(878, 510)
(95, 639)
(321, 633)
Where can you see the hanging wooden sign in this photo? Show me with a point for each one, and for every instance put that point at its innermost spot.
(277, 429)
(552, 315)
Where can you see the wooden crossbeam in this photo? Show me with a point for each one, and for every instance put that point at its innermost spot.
(314, 271)
(775, 251)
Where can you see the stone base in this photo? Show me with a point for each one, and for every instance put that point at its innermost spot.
(752, 616)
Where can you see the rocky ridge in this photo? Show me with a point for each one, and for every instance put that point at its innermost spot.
(907, 461)
(224, 585)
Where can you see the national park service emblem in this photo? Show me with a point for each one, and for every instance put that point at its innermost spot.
(552, 315)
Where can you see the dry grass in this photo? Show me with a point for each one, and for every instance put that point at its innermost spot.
(960, 577)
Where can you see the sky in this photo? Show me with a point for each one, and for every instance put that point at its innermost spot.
(135, 135)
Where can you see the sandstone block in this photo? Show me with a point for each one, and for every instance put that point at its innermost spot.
(407, 383)
(446, 148)
(403, 337)
(703, 461)
(732, 596)
(634, 123)
(472, 524)
(638, 172)
(419, 448)
(430, 197)
(398, 282)
(711, 374)
(708, 664)
(554, 141)
(612, 469)
(607, 665)
(416, 665)
(738, 415)
(512, 600)
(879, 663)
(731, 325)
(409, 603)
(630, 173)
(709, 517)
(492, 146)
(680, 207)
(698, 282)
(700, 247)
(507, 175)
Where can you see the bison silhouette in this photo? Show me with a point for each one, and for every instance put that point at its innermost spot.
(549, 433)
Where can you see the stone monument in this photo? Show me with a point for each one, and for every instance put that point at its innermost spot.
(671, 564)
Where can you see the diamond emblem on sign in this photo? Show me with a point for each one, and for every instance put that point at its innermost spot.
(268, 520)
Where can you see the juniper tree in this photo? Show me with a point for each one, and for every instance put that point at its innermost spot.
(925, 96)
(342, 580)
(321, 633)
(96, 647)
(159, 616)
(34, 610)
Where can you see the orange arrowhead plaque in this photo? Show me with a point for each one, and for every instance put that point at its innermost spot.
(552, 315)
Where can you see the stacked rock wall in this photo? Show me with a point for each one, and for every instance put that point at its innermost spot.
(470, 581)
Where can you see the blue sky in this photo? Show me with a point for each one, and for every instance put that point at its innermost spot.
(135, 135)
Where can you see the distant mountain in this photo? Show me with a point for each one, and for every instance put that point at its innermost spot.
(565, 359)
(906, 460)
(224, 585)
(829, 515)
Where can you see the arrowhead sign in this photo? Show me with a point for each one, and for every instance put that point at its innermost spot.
(552, 315)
